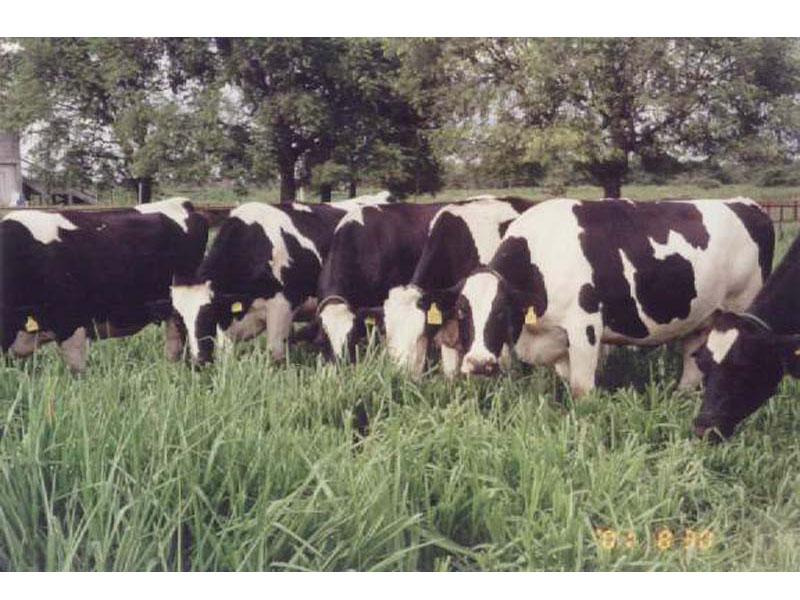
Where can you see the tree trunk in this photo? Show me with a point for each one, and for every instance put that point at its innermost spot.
(144, 189)
(610, 174)
(612, 188)
(288, 184)
(325, 192)
(351, 190)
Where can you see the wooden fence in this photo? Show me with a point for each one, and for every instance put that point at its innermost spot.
(782, 211)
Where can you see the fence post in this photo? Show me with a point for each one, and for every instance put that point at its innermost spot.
(10, 170)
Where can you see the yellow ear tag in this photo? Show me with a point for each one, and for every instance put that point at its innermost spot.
(31, 326)
(369, 321)
(434, 316)
(530, 316)
(236, 307)
(797, 352)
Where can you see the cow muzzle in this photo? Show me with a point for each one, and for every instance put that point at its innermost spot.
(712, 430)
(480, 366)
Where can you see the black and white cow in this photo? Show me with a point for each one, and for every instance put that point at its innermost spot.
(373, 250)
(461, 237)
(261, 269)
(570, 275)
(73, 275)
(748, 353)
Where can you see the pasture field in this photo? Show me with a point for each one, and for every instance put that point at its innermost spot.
(145, 465)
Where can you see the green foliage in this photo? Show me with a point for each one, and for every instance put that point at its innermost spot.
(104, 110)
(251, 465)
(585, 107)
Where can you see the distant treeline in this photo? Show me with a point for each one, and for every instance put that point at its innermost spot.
(410, 115)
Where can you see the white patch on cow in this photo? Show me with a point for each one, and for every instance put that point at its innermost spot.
(482, 217)
(223, 345)
(676, 243)
(544, 347)
(187, 300)
(275, 222)
(337, 321)
(405, 328)
(43, 226)
(355, 215)
(366, 200)
(172, 208)
(480, 291)
(301, 207)
(720, 342)
(279, 324)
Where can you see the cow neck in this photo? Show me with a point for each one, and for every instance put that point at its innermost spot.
(778, 302)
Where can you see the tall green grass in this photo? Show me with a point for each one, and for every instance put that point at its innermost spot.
(251, 465)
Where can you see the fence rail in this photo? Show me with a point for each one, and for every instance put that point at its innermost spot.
(782, 211)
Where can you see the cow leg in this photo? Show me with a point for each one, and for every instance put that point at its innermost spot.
(691, 376)
(279, 325)
(223, 344)
(173, 346)
(74, 350)
(451, 361)
(505, 358)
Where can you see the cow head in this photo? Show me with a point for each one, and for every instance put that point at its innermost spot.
(342, 326)
(21, 333)
(206, 314)
(489, 312)
(405, 320)
(742, 363)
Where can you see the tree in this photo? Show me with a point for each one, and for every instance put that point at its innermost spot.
(332, 103)
(110, 110)
(590, 105)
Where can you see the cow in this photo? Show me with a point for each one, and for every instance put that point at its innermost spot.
(260, 274)
(73, 275)
(460, 238)
(374, 249)
(747, 353)
(570, 275)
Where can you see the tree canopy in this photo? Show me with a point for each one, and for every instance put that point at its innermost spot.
(402, 113)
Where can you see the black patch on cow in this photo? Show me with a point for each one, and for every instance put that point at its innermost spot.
(513, 262)
(664, 287)
(590, 335)
(759, 226)
(449, 255)
(366, 261)
(503, 227)
(114, 269)
(587, 298)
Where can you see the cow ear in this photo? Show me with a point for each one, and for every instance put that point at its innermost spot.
(525, 305)
(439, 305)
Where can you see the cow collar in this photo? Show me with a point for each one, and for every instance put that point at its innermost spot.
(757, 320)
(331, 298)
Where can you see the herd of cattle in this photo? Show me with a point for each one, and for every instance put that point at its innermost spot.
(481, 279)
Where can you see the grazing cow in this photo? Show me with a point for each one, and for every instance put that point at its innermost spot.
(374, 249)
(570, 275)
(747, 353)
(261, 269)
(461, 237)
(73, 275)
